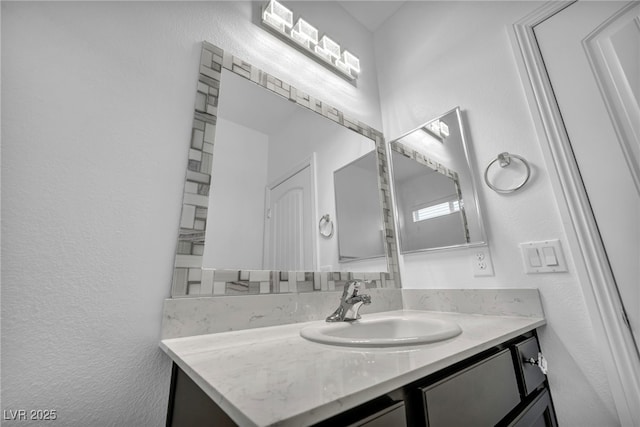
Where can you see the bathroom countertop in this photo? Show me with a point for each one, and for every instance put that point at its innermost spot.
(272, 376)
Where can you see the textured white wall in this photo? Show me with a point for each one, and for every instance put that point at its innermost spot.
(97, 107)
(433, 56)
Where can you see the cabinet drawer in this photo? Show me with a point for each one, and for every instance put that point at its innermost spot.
(531, 374)
(392, 416)
(480, 395)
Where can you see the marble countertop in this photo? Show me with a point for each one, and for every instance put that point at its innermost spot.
(272, 376)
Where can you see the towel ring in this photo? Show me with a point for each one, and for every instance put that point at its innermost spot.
(326, 219)
(504, 160)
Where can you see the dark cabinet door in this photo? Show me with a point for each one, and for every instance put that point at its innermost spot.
(539, 413)
(532, 376)
(479, 396)
(189, 406)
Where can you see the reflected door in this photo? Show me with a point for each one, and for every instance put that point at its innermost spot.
(289, 224)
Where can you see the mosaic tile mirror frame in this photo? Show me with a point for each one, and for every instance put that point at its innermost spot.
(190, 279)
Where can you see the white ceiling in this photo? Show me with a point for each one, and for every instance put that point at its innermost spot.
(371, 14)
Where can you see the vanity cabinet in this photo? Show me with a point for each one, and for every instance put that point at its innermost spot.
(497, 387)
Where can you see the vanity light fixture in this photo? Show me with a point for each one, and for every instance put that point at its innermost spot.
(304, 33)
(437, 128)
(305, 36)
(277, 16)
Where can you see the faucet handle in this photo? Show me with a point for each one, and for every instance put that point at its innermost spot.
(358, 284)
(350, 289)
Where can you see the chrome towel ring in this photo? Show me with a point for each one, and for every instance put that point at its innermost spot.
(504, 160)
(324, 223)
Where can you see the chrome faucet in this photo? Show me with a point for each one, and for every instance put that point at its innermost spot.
(350, 302)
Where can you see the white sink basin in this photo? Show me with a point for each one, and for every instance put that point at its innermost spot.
(398, 330)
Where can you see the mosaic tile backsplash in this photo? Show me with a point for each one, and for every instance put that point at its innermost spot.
(190, 279)
(206, 282)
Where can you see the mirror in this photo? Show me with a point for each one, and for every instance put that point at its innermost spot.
(273, 172)
(259, 209)
(360, 231)
(435, 193)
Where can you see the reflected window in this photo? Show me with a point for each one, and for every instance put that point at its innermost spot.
(435, 211)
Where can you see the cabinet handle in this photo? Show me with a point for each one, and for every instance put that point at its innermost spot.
(541, 363)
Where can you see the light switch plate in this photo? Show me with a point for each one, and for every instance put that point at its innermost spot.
(543, 257)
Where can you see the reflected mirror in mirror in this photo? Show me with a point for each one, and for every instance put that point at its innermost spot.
(360, 226)
(435, 195)
(273, 180)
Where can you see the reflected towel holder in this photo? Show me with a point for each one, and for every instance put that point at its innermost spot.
(504, 160)
(322, 226)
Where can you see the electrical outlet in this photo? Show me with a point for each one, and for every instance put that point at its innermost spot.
(481, 262)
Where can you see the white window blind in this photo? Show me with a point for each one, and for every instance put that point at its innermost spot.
(435, 211)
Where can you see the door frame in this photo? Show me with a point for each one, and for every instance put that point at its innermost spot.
(309, 162)
(620, 355)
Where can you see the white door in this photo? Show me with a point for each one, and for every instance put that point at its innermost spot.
(289, 223)
(592, 54)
